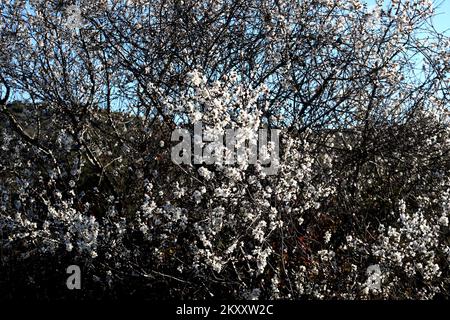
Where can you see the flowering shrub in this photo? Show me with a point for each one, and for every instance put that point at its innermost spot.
(363, 183)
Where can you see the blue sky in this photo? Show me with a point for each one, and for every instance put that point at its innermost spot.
(442, 19)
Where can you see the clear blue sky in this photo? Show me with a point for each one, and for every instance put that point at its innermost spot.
(441, 20)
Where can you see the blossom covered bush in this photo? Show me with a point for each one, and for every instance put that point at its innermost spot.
(360, 94)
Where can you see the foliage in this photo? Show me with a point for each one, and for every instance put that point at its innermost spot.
(361, 95)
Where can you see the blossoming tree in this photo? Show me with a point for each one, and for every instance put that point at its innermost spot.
(360, 94)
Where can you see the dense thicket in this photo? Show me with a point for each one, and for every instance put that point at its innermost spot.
(86, 177)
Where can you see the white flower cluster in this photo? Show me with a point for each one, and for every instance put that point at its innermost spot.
(414, 245)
